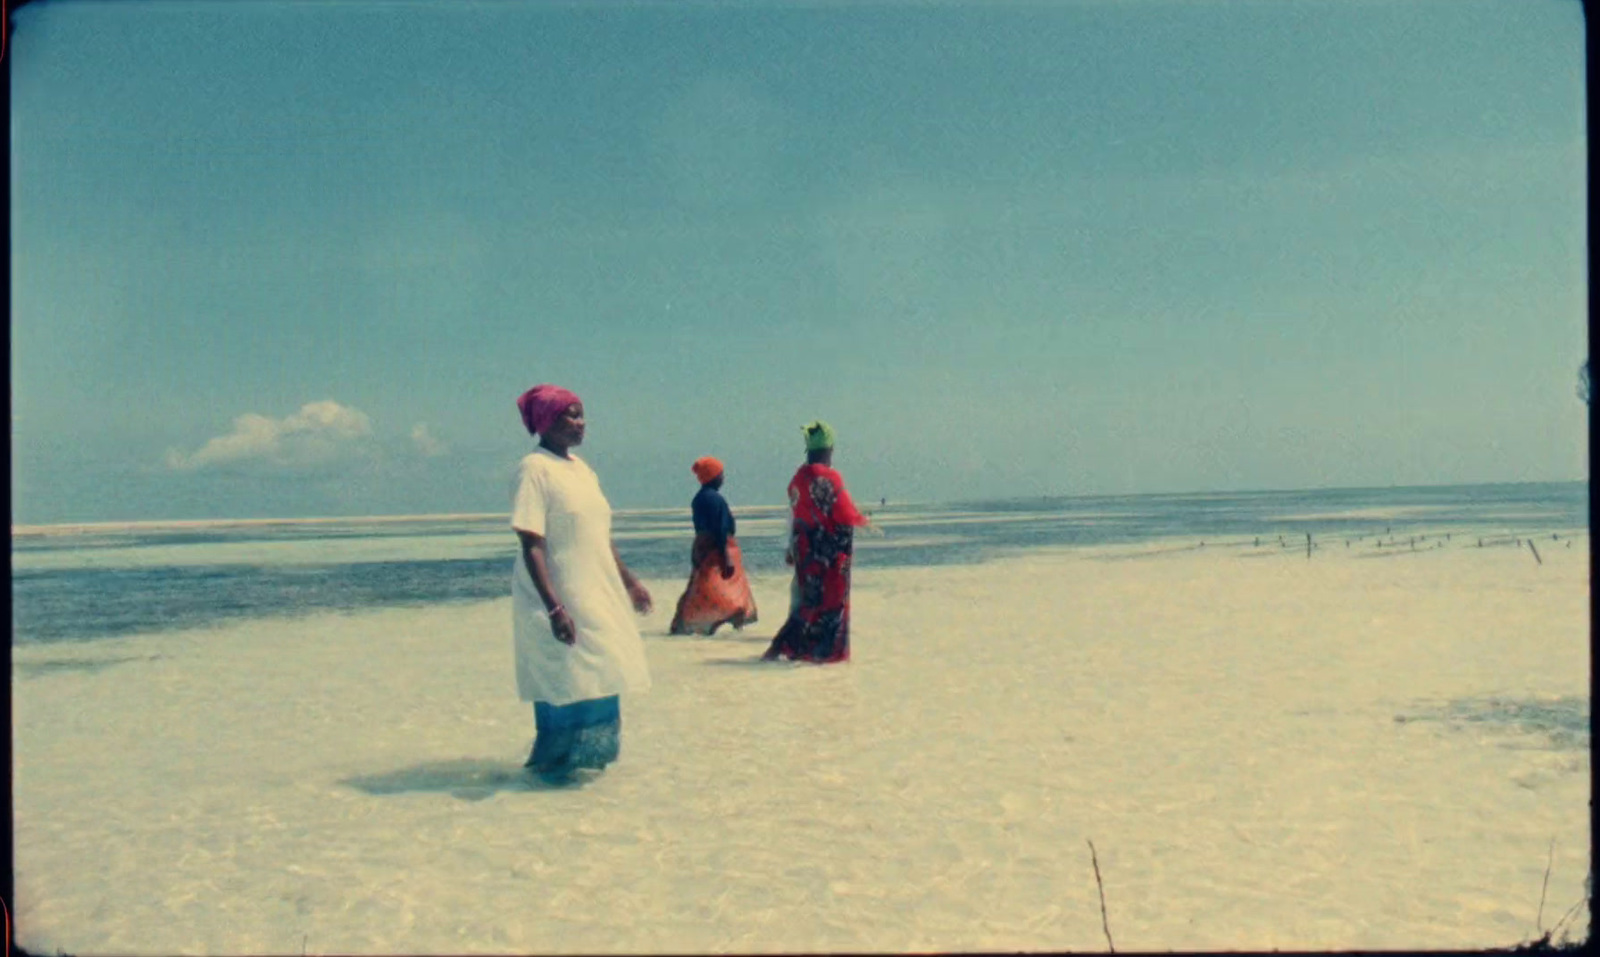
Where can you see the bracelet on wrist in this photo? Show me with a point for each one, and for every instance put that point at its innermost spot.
(557, 607)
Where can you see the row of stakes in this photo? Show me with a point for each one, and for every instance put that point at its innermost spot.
(1414, 539)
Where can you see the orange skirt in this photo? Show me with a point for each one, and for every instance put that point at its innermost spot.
(712, 601)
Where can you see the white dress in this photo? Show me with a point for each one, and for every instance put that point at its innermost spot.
(560, 499)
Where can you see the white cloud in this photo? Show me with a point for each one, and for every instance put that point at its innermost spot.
(319, 432)
(425, 442)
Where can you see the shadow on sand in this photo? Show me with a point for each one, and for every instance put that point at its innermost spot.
(754, 661)
(721, 635)
(1555, 723)
(35, 669)
(466, 779)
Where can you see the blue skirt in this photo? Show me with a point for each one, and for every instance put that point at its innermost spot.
(584, 734)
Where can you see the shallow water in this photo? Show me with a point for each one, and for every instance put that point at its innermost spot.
(99, 583)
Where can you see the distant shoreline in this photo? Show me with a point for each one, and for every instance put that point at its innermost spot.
(77, 528)
(72, 528)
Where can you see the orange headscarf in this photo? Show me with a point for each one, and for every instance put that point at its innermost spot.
(706, 469)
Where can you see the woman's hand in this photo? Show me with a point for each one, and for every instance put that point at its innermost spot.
(640, 596)
(562, 627)
(533, 555)
(637, 593)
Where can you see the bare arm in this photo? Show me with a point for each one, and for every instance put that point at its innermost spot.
(535, 556)
(636, 590)
(846, 513)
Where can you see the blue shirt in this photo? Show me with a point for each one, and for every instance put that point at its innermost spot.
(712, 515)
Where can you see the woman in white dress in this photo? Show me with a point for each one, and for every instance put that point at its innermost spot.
(572, 598)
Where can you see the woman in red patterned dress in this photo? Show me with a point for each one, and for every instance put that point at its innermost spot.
(821, 539)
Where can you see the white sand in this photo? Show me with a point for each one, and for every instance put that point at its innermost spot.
(1220, 722)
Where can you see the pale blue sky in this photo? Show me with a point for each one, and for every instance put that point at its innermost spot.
(1007, 249)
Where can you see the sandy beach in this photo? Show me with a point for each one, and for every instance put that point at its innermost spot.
(1369, 748)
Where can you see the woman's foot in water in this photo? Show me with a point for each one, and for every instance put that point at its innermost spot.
(561, 774)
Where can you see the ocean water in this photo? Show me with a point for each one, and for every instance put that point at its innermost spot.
(96, 583)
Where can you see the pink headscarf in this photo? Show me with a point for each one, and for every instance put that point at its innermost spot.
(543, 404)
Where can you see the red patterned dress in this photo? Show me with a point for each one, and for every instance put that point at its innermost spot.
(822, 537)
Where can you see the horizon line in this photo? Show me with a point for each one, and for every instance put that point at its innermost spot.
(60, 528)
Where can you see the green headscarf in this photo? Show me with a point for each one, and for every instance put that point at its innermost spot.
(819, 435)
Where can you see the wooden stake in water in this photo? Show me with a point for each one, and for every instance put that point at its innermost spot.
(1308, 546)
(1538, 921)
(1104, 924)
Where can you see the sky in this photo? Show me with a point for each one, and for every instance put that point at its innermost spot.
(276, 260)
